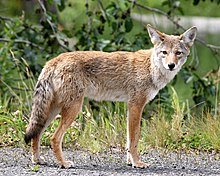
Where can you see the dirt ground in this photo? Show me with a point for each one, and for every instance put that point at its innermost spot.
(16, 161)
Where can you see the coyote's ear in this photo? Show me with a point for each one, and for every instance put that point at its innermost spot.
(189, 36)
(155, 35)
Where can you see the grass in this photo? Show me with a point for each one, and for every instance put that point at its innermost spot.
(101, 126)
(95, 130)
(11, 130)
(182, 131)
(105, 128)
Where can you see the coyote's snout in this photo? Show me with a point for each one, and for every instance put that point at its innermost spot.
(132, 77)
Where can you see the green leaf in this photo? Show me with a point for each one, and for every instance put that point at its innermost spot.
(211, 90)
(61, 5)
(196, 2)
(128, 24)
(120, 38)
(114, 26)
(181, 10)
(89, 13)
(35, 168)
(165, 3)
(50, 1)
(67, 33)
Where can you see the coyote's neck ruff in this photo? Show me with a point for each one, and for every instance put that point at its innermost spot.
(132, 77)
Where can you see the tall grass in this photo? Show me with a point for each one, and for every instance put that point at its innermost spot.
(104, 126)
(11, 130)
(15, 106)
(100, 130)
(182, 131)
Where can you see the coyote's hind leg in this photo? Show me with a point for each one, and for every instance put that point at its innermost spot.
(68, 114)
(35, 142)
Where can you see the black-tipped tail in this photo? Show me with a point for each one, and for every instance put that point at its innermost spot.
(27, 138)
(42, 98)
(32, 131)
(30, 134)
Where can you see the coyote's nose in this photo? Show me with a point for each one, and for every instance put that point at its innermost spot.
(171, 66)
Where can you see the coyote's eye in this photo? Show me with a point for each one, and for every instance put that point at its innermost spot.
(164, 52)
(178, 53)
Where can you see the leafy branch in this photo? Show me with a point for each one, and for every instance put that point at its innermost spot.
(52, 26)
(6, 19)
(21, 41)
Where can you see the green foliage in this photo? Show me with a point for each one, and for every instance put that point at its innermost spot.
(99, 128)
(24, 42)
(204, 88)
(182, 131)
(108, 29)
(106, 128)
(173, 5)
(12, 125)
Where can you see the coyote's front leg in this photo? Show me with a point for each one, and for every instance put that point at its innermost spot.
(135, 108)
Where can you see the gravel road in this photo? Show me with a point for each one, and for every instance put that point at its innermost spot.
(16, 161)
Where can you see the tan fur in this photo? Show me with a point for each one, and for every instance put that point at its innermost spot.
(132, 77)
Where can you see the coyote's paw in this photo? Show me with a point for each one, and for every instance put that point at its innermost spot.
(129, 162)
(38, 160)
(140, 164)
(67, 164)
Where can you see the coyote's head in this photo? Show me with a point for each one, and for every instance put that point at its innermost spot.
(171, 51)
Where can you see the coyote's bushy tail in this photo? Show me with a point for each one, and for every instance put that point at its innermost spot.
(43, 96)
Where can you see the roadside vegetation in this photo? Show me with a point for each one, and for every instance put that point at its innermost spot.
(174, 120)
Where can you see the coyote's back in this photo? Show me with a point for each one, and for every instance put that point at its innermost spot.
(132, 77)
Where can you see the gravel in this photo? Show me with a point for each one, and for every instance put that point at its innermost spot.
(16, 161)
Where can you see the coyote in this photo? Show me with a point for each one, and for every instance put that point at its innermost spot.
(132, 77)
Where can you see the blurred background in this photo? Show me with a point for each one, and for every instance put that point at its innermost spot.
(34, 31)
(66, 25)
